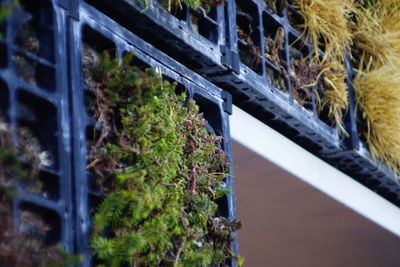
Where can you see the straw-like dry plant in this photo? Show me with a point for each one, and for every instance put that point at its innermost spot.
(378, 95)
(377, 32)
(327, 25)
(377, 84)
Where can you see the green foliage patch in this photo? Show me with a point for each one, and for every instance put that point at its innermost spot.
(160, 173)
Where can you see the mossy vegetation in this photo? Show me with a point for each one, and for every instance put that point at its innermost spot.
(25, 247)
(159, 171)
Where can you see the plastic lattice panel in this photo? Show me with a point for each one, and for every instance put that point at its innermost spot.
(33, 100)
(264, 40)
(191, 36)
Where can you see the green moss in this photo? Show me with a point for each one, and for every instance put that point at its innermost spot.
(160, 172)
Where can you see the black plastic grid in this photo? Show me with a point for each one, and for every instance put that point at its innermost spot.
(92, 34)
(256, 88)
(33, 97)
(193, 37)
(34, 84)
(261, 84)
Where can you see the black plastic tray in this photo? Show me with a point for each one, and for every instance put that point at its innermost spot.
(34, 95)
(191, 37)
(253, 91)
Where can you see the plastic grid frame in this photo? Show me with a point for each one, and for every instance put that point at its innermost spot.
(33, 92)
(191, 37)
(253, 92)
(213, 102)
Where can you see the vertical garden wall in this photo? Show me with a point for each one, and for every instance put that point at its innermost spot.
(54, 87)
(96, 108)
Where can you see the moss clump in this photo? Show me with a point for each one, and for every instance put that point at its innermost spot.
(160, 172)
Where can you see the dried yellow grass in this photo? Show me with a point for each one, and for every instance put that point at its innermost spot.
(377, 32)
(336, 93)
(328, 25)
(378, 95)
(377, 84)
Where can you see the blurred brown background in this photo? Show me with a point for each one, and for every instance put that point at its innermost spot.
(288, 223)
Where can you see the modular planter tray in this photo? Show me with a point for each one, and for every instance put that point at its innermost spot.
(259, 85)
(194, 38)
(266, 48)
(356, 160)
(94, 33)
(33, 94)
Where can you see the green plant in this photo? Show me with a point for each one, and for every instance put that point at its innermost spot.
(160, 173)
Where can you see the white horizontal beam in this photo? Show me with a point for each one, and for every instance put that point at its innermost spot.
(281, 151)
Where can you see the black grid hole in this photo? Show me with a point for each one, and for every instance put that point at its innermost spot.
(136, 61)
(223, 206)
(47, 185)
(35, 33)
(324, 116)
(97, 42)
(3, 54)
(37, 128)
(176, 11)
(39, 223)
(90, 102)
(94, 202)
(295, 19)
(249, 34)
(276, 6)
(4, 99)
(181, 89)
(276, 79)
(211, 112)
(213, 13)
(50, 185)
(297, 48)
(204, 26)
(92, 184)
(3, 29)
(94, 45)
(92, 134)
(274, 41)
(34, 72)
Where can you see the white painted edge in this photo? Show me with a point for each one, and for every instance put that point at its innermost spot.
(281, 151)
